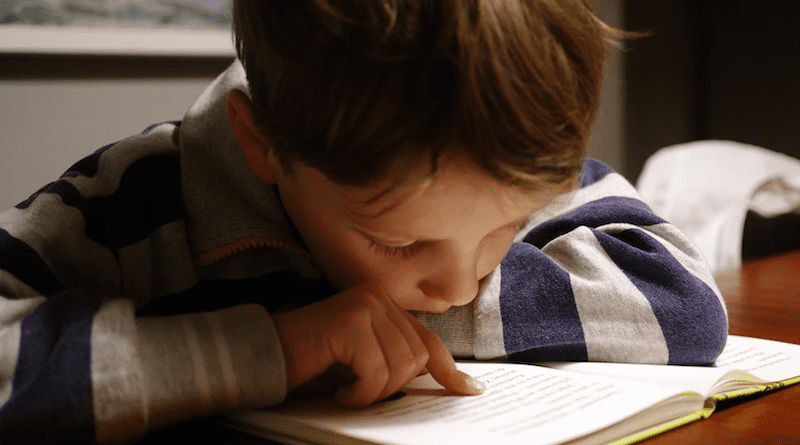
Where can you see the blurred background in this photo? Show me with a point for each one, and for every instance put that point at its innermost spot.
(712, 69)
(192, 14)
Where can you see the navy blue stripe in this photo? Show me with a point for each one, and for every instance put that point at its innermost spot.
(24, 204)
(87, 166)
(68, 193)
(594, 171)
(20, 260)
(53, 370)
(540, 318)
(609, 210)
(688, 311)
(288, 290)
(151, 127)
(149, 196)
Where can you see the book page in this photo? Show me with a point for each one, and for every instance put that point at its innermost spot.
(522, 404)
(763, 360)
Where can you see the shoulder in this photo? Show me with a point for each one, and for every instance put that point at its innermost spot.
(594, 171)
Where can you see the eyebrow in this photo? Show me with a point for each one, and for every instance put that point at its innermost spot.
(393, 204)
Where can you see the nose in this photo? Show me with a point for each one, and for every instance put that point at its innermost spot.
(453, 279)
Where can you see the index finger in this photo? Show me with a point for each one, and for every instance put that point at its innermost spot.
(441, 365)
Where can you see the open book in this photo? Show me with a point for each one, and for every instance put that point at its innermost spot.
(580, 403)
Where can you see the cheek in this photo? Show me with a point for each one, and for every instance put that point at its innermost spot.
(346, 260)
(400, 279)
(493, 251)
(329, 243)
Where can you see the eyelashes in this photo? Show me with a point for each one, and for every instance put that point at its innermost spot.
(519, 225)
(406, 252)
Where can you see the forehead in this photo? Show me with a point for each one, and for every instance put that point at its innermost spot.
(459, 192)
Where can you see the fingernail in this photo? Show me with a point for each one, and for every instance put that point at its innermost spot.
(474, 384)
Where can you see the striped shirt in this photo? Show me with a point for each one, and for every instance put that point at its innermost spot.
(135, 290)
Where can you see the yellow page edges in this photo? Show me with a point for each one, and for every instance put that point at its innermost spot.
(711, 405)
(704, 413)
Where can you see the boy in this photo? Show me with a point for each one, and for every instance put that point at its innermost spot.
(364, 161)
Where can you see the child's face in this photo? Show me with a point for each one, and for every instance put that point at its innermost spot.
(430, 250)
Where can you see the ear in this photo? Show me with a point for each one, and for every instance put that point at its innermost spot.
(255, 146)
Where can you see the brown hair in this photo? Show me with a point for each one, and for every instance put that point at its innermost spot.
(350, 87)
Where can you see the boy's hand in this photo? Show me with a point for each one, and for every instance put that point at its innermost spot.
(363, 329)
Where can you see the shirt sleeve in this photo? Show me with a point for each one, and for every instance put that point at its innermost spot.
(594, 276)
(77, 260)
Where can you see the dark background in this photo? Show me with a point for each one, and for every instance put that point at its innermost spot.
(712, 69)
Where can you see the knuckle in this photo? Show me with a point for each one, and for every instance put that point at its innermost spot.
(358, 317)
(410, 368)
(408, 362)
(422, 358)
(379, 377)
(415, 356)
(364, 301)
(358, 312)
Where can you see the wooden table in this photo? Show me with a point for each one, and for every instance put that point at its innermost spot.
(763, 300)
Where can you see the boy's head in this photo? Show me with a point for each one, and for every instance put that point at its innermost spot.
(351, 87)
(410, 140)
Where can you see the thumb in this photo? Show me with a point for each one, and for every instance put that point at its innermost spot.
(441, 365)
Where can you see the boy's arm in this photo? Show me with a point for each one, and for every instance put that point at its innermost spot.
(76, 261)
(88, 370)
(601, 279)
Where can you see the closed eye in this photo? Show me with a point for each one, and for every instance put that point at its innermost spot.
(517, 226)
(404, 252)
(412, 249)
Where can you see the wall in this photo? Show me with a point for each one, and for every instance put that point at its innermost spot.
(608, 141)
(56, 110)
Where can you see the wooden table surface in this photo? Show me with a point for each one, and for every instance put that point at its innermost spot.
(763, 300)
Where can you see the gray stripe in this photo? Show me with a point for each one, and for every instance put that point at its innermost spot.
(612, 184)
(618, 322)
(79, 262)
(118, 384)
(453, 327)
(116, 160)
(156, 266)
(474, 330)
(489, 341)
(9, 352)
(12, 312)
